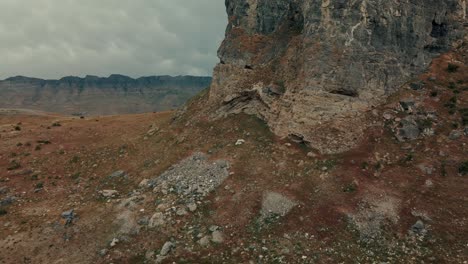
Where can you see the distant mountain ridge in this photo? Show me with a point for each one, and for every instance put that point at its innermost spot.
(93, 95)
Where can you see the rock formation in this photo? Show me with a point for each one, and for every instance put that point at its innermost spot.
(93, 95)
(312, 68)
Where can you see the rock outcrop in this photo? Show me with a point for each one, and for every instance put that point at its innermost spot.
(311, 68)
(94, 95)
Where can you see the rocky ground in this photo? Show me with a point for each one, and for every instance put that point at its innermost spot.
(182, 188)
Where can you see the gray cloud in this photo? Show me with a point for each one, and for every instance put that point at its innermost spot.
(55, 38)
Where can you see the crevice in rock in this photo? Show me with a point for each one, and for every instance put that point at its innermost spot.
(345, 92)
(299, 139)
(244, 100)
(439, 30)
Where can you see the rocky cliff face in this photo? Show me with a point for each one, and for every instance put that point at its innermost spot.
(93, 95)
(311, 68)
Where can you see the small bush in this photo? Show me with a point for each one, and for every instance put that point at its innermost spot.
(365, 165)
(17, 128)
(75, 159)
(350, 188)
(3, 211)
(14, 166)
(464, 116)
(452, 68)
(424, 123)
(443, 168)
(463, 169)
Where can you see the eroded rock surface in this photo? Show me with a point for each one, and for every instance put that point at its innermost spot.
(311, 68)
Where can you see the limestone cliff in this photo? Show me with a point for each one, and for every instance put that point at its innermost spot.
(94, 95)
(311, 68)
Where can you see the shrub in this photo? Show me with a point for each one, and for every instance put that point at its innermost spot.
(452, 68)
(452, 86)
(14, 166)
(463, 169)
(464, 116)
(350, 188)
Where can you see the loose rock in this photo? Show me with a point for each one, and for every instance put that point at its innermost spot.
(166, 249)
(118, 174)
(156, 220)
(69, 216)
(217, 237)
(109, 193)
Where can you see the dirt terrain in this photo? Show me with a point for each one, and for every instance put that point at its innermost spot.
(179, 187)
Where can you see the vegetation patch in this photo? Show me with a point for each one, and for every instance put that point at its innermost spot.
(350, 188)
(14, 165)
(463, 168)
(452, 68)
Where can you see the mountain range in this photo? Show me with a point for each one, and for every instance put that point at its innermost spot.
(93, 95)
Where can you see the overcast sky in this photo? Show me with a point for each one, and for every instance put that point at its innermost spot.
(56, 38)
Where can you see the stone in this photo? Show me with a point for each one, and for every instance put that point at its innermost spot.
(167, 248)
(204, 241)
(153, 130)
(144, 184)
(429, 183)
(240, 142)
(118, 174)
(3, 190)
(102, 252)
(275, 204)
(7, 201)
(418, 228)
(149, 255)
(407, 104)
(156, 220)
(69, 216)
(455, 134)
(181, 211)
(143, 221)
(192, 207)
(217, 237)
(426, 169)
(114, 242)
(109, 193)
(213, 228)
(312, 155)
(387, 116)
(409, 130)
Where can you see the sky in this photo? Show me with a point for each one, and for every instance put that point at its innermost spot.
(55, 38)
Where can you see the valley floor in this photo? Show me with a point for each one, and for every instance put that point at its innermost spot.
(171, 187)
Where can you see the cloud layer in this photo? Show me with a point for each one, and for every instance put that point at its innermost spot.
(56, 38)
